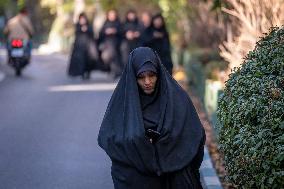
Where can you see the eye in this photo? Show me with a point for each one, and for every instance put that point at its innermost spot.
(151, 74)
(140, 76)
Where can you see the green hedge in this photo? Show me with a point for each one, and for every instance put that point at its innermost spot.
(251, 117)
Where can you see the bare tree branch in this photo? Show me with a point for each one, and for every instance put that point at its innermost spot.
(255, 17)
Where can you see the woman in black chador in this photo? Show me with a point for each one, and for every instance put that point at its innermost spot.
(151, 130)
(157, 38)
(146, 19)
(80, 62)
(109, 43)
(131, 35)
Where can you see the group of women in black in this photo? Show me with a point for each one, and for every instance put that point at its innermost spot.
(110, 51)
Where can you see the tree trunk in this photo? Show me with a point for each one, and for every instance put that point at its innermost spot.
(79, 7)
(54, 43)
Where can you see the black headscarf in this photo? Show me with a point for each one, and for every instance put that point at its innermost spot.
(163, 26)
(150, 103)
(122, 133)
(160, 44)
(127, 20)
(78, 26)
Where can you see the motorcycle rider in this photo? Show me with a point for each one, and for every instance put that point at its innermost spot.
(19, 27)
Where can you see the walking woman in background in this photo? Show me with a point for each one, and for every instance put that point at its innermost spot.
(80, 62)
(158, 39)
(146, 19)
(109, 43)
(131, 35)
(151, 130)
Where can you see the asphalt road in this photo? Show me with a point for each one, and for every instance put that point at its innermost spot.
(49, 125)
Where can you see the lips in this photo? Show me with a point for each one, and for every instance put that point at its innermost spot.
(148, 88)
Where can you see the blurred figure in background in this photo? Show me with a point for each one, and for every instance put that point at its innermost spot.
(109, 43)
(19, 27)
(157, 38)
(131, 35)
(80, 62)
(146, 18)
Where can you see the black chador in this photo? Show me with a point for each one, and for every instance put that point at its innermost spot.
(173, 158)
(80, 62)
(157, 38)
(131, 35)
(109, 43)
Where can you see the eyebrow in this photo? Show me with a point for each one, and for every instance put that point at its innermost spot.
(146, 72)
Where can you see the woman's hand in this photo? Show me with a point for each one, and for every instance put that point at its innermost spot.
(110, 31)
(84, 28)
(158, 35)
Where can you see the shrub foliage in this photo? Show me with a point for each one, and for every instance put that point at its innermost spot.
(251, 116)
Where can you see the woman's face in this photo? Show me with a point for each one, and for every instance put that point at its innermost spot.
(146, 19)
(131, 16)
(158, 22)
(111, 15)
(147, 81)
(82, 20)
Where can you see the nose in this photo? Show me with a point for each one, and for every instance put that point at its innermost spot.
(147, 81)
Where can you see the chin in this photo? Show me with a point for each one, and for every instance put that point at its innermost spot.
(148, 92)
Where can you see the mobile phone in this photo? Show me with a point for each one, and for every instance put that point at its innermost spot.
(154, 135)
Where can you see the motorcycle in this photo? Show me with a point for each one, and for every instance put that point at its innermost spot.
(19, 55)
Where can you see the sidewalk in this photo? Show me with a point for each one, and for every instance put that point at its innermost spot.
(209, 178)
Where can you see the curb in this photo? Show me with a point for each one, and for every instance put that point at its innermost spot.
(2, 76)
(208, 173)
(2, 60)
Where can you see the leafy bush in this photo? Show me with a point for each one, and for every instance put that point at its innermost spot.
(251, 115)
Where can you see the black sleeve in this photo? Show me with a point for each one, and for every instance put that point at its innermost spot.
(123, 30)
(147, 37)
(197, 160)
(166, 44)
(101, 35)
(90, 32)
(77, 29)
(120, 31)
